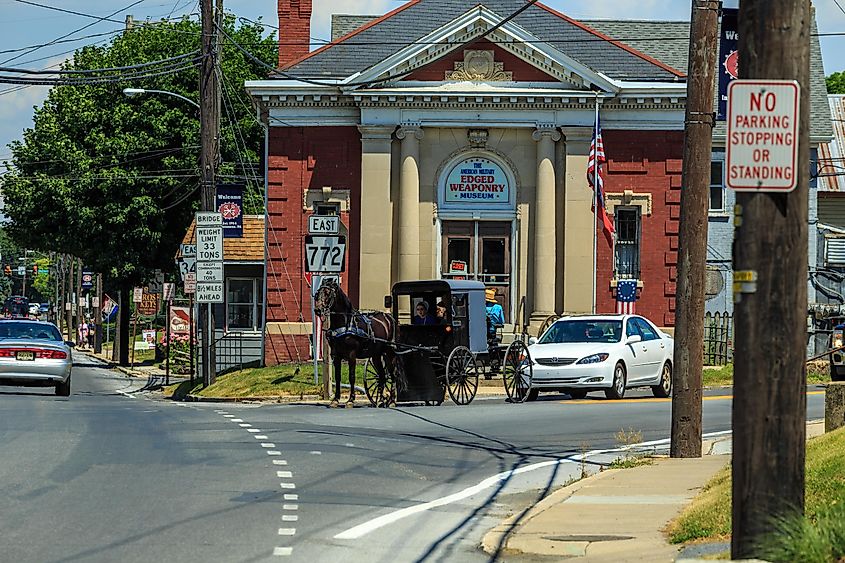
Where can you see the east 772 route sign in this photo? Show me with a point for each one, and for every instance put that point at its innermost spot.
(325, 255)
(763, 135)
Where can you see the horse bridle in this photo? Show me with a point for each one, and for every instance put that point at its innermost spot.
(327, 295)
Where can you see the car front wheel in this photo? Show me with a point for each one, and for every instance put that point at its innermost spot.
(63, 389)
(617, 390)
(664, 389)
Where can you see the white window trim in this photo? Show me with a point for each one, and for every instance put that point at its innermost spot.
(256, 305)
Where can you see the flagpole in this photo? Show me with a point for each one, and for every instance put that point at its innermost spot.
(595, 200)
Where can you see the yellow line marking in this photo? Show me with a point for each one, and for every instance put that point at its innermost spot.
(656, 400)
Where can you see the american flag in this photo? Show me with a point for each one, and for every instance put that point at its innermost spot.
(626, 297)
(597, 158)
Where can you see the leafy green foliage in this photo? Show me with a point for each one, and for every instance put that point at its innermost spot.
(114, 180)
(835, 83)
(43, 283)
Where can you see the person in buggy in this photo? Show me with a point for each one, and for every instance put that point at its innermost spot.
(495, 321)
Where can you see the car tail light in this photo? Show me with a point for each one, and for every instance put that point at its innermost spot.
(45, 353)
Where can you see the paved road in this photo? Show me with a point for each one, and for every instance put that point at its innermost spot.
(103, 476)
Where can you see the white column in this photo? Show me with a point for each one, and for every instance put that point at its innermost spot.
(409, 203)
(545, 223)
(376, 216)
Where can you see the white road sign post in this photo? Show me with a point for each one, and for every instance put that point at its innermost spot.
(762, 153)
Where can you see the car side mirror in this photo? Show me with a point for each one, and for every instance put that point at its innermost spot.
(388, 302)
(633, 339)
(70, 343)
(533, 340)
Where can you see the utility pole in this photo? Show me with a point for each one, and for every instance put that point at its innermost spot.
(80, 314)
(771, 244)
(692, 240)
(211, 14)
(98, 317)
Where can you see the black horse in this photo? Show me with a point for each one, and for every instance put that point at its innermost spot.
(353, 335)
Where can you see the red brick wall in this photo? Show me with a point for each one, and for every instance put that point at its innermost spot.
(646, 161)
(295, 21)
(303, 158)
(522, 71)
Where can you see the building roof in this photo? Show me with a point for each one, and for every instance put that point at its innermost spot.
(380, 38)
(249, 248)
(832, 155)
(665, 41)
(668, 42)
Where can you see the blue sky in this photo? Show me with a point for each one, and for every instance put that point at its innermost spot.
(22, 25)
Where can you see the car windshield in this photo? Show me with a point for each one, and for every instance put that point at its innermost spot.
(583, 331)
(29, 331)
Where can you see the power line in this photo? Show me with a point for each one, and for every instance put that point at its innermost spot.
(163, 71)
(74, 32)
(98, 70)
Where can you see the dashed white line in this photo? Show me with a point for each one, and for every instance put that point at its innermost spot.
(290, 507)
(280, 462)
(283, 551)
(290, 518)
(274, 452)
(291, 497)
(260, 437)
(315, 452)
(253, 430)
(288, 485)
(268, 445)
(229, 415)
(287, 531)
(284, 474)
(245, 425)
(236, 419)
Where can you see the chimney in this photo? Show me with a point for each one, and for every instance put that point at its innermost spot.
(294, 30)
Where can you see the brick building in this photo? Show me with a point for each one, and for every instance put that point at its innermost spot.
(384, 124)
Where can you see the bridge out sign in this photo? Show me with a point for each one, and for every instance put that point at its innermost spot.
(763, 118)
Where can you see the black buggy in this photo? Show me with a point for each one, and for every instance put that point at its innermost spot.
(438, 353)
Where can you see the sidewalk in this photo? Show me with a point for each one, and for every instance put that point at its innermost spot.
(613, 516)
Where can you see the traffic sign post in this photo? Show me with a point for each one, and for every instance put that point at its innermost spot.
(762, 153)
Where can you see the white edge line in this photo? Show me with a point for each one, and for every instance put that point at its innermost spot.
(125, 394)
(386, 519)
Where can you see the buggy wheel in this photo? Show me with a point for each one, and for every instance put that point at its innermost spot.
(517, 371)
(462, 375)
(546, 324)
(380, 393)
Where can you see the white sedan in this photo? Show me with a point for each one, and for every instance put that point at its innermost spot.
(579, 354)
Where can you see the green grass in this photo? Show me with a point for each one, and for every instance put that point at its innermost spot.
(724, 375)
(277, 381)
(708, 517)
(630, 462)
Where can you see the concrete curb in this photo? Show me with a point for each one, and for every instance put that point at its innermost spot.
(313, 400)
(511, 526)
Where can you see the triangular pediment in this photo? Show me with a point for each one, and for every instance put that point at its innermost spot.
(446, 55)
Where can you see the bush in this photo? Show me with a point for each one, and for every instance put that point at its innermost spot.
(180, 350)
(807, 539)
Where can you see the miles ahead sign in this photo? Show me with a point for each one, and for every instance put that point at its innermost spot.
(763, 135)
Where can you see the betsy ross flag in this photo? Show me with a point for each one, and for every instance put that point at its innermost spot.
(626, 297)
(596, 180)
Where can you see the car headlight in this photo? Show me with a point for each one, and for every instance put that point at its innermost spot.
(594, 359)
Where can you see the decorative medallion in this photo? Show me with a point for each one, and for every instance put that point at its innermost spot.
(479, 66)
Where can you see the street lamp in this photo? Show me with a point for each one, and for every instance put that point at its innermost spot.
(131, 92)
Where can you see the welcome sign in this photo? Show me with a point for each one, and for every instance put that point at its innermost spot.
(477, 180)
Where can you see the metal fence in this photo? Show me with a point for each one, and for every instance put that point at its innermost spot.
(718, 339)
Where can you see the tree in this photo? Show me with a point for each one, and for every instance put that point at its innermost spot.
(44, 283)
(835, 83)
(114, 180)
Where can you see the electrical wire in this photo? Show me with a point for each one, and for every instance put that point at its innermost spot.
(98, 70)
(74, 32)
(164, 71)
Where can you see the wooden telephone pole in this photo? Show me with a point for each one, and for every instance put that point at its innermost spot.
(212, 15)
(692, 240)
(769, 406)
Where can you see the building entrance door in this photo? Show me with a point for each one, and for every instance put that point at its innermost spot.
(479, 250)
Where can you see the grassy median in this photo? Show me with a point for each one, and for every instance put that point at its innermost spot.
(817, 372)
(286, 380)
(819, 536)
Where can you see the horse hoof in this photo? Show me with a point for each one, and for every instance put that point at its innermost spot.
(333, 405)
(349, 404)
